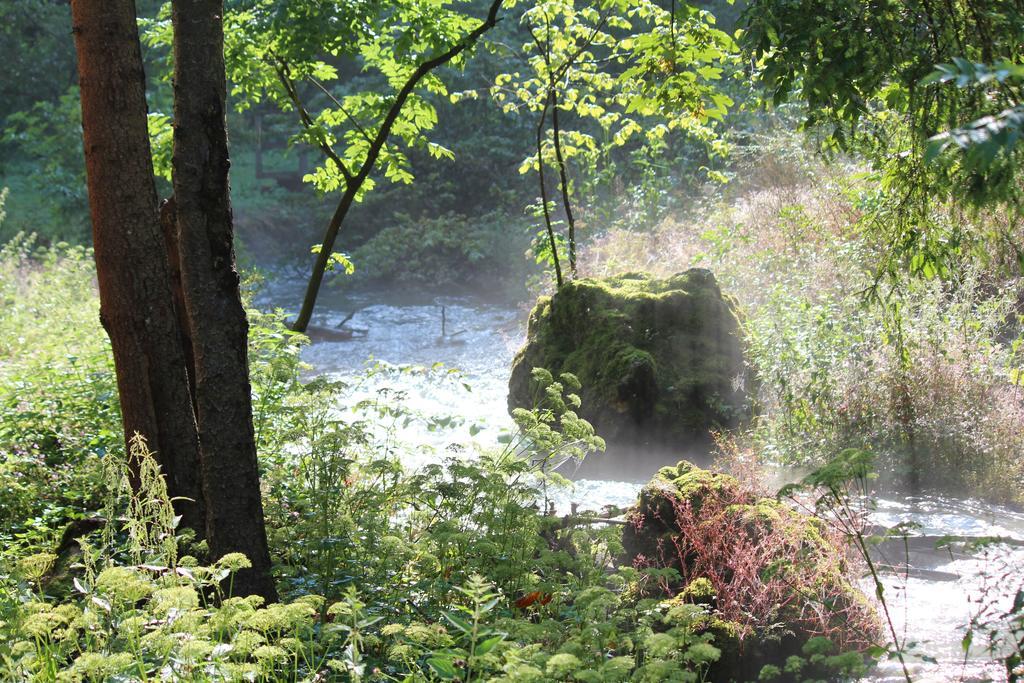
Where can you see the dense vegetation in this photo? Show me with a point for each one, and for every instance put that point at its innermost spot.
(848, 173)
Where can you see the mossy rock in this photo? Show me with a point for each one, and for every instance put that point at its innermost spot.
(771, 578)
(660, 361)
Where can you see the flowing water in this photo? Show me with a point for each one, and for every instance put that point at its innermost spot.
(931, 606)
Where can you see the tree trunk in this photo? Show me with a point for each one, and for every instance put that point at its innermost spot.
(169, 228)
(213, 307)
(136, 307)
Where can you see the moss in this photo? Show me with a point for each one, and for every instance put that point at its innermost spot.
(657, 358)
(700, 591)
(704, 525)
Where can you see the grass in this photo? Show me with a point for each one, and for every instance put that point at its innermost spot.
(926, 372)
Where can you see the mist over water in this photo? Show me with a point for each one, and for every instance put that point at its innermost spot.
(931, 606)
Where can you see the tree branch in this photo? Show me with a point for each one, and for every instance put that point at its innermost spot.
(341, 108)
(373, 153)
(284, 75)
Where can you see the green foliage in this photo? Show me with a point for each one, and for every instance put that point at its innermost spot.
(472, 641)
(551, 427)
(459, 570)
(58, 393)
(816, 359)
(46, 140)
(986, 148)
(327, 62)
(829, 55)
(933, 108)
(447, 249)
(709, 539)
(424, 567)
(149, 519)
(339, 79)
(667, 67)
(840, 493)
(925, 372)
(818, 660)
(455, 570)
(38, 58)
(900, 101)
(333, 478)
(151, 616)
(629, 74)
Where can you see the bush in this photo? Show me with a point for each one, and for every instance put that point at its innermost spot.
(58, 392)
(777, 579)
(451, 249)
(925, 371)
(46, 169)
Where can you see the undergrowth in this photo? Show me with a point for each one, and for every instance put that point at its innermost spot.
(925, 370)
(453, 571)
(58, 394)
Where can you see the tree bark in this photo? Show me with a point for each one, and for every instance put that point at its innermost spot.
(136, 307)
(213, 307)
(169, 228)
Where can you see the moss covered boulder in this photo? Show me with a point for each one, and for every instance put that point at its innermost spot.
(660, 360)
(773, 583)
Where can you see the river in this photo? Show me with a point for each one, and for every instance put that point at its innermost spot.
(480, 336)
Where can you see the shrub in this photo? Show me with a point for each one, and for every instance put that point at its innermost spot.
(457, 569)
(774, 578)
(926, 371)
(460, 576)
(57, 391)
(450, 249)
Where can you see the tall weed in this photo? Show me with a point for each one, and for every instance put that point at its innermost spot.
(58, 393)
(924, 370)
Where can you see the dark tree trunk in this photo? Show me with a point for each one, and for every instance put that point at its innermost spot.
(136, 307)
(213, 307)
(169, 228)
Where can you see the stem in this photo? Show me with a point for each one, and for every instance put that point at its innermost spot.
(563, 176)
(879, 591)
(544, 192)
(284, 75)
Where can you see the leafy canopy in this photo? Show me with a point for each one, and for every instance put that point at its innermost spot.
(341, 63)
(886, 77)
(928, 92)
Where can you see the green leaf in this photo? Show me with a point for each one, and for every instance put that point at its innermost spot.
(443, 666)
(488, 645)
(459, 623)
